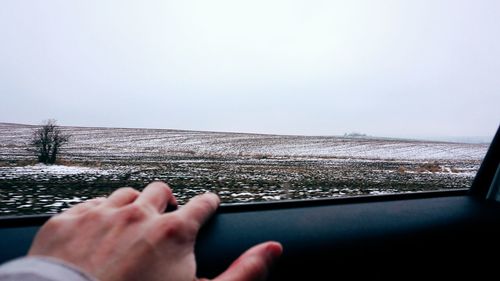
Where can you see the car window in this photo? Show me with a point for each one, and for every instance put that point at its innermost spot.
(257, 101)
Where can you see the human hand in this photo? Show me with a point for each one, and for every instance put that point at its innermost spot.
(127, 236)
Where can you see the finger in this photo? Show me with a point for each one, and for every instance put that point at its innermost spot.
(254, 264)
(200, 208)
(85, 206)
(121, 197)
(157, 195)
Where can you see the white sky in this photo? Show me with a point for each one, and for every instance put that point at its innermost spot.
(385, 68)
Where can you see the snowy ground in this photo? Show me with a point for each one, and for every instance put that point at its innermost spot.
(239, 167)
(112, 143)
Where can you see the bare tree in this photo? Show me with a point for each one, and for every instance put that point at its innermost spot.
(46, 141)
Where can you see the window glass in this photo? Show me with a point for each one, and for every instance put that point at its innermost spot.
(253, 100)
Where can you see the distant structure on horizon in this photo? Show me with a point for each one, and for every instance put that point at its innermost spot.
(355, 135)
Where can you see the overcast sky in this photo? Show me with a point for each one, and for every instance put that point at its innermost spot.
(384, 68)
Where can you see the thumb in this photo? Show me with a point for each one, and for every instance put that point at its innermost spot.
(254, 264)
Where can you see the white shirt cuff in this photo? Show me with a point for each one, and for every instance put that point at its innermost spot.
(42, 269)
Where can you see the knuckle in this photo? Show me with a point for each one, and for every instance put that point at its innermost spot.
(178, 229)
(131, 213)
(173, 228)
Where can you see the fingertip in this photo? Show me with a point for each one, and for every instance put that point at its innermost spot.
(200, 208)
(172, 200)
(162, 184)
(253, 264)
(274, 249)
(121, 197)
(210, 197)
(156, 196)
(214, 197)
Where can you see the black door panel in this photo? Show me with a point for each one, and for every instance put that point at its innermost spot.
(379, 239)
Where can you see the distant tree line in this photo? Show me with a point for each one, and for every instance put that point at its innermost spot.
(46, 141)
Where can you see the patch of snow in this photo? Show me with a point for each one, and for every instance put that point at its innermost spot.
(59, 169)
(271, 198)
(48, 170)
(242, 194)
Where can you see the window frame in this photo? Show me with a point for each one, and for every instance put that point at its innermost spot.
(442, 232)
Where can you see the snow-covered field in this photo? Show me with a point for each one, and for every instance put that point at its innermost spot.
(111, 143)
(239, 167)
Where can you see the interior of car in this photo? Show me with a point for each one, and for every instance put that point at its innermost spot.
(355, 133)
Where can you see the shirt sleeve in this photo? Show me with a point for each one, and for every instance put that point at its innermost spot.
(42, 269)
